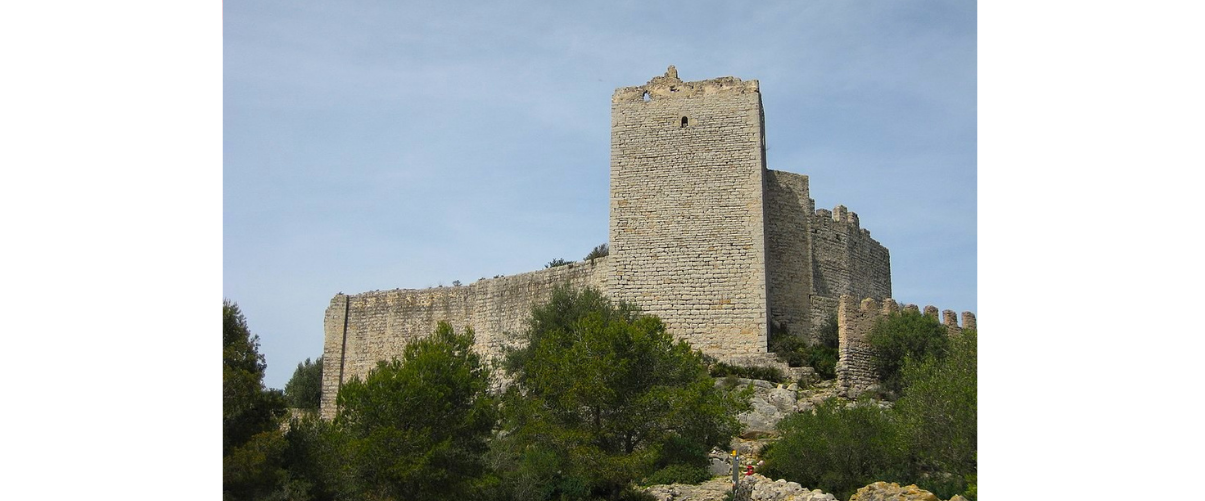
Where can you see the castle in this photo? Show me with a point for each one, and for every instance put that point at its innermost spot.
(702, 235)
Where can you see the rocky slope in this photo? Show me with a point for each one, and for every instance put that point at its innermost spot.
(760, 488)
(771, 403)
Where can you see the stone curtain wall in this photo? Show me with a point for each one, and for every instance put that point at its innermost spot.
(813, 257)
(845, 260)
(788, 255)
(364, 328)
(686, 230)
(855, 366)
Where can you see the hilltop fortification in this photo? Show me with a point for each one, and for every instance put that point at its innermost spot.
(702, 234)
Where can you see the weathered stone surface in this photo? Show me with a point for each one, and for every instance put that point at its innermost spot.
(757, 487)
(719, 467)
(772, 402)
(769, 405)
(691, 252)
(883, 491)
(711, 490)
(364, 328)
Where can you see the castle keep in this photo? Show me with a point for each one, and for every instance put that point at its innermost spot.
(702, 234)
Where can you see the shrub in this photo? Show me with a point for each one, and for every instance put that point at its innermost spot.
(904, 336)
(557, 262)
(796, 352)
(927, 438)
(597, 252)
(678, 474)
(771, 374)
(839, 448)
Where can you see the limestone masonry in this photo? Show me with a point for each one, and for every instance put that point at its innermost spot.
(702, 234)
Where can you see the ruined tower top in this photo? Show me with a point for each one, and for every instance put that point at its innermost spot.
(670, 86)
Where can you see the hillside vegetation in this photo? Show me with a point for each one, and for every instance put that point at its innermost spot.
(928, 437)
(599, 401)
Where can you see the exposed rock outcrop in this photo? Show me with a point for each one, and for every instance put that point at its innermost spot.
(883, 491)
(760, 488)
(712, 490)
(772, 402)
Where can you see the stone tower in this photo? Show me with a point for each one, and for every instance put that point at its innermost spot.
(687, 219)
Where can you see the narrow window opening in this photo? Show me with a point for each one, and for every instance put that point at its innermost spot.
(685, 122)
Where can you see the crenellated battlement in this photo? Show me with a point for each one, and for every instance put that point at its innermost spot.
(855, 319)
(948, 318)
(669, 86)
(841, 214)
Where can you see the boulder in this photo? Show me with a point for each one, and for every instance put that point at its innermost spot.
(712, 490)
(758, 487)
(883, 491)
(719, 467)
(770, 403)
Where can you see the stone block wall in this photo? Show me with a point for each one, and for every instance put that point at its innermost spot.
(365, 328)
(788, 253)
(813, 257)
(845, 261)
(687, 219)
(855, 319)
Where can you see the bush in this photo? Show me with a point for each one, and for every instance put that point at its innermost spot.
(904, 336)
(839, 448)
(721, 369)
(797, 352)
(927, 438)
(597, 252)
(557, 262)
(678, 474)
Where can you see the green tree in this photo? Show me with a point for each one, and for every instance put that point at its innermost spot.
(903, 336)
(417, 426)
(938, 416)
(304, 389)
(319, 461)
(252, 443)
(604, 396)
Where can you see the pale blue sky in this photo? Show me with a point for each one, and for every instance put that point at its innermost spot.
(381, 145)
